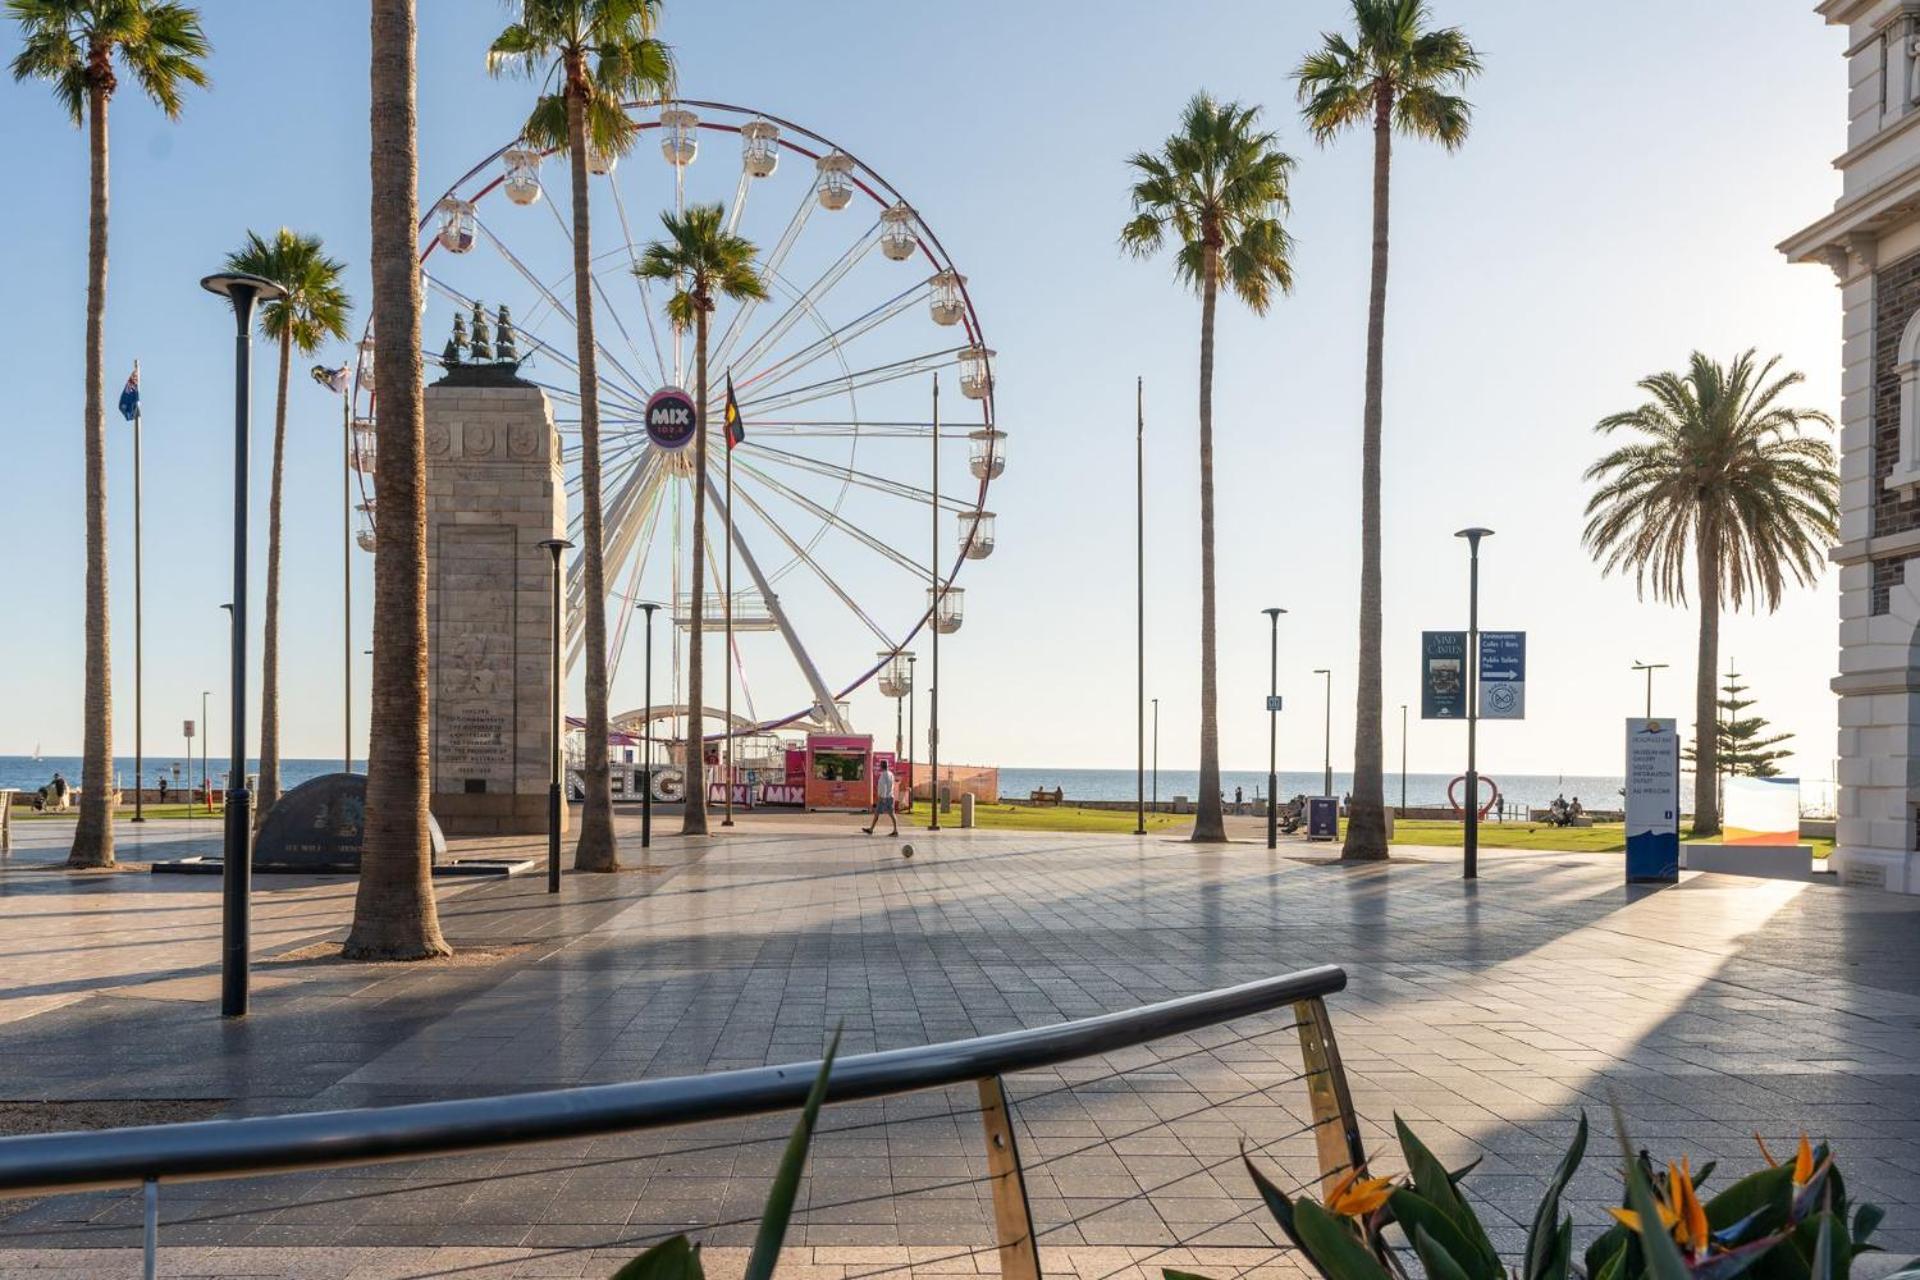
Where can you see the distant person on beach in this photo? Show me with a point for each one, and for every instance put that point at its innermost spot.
(163, 788)
(884, 788)
(1239, 800)
(59, 789)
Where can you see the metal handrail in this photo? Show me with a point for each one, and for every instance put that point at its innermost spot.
(41, 1164)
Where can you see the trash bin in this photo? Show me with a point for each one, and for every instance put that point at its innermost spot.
(1323, 817)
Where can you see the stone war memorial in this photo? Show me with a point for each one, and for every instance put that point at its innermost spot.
(495, 491)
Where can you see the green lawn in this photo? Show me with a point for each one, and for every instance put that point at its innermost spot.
(1008, 817)
(170, 810)
(1607, 837)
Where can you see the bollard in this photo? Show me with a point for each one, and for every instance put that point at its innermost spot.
(966, 809)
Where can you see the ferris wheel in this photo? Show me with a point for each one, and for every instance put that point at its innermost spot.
(845, 544)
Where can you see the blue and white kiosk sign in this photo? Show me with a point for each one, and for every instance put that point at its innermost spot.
(1503, 675)
(1653, 801)
(1443, 675)
(670, 418)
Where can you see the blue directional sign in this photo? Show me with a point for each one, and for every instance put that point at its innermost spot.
(1443, 675)
(1273, 702)
(1503, 675)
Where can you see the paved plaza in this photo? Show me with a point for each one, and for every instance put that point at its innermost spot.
(1486, 1014)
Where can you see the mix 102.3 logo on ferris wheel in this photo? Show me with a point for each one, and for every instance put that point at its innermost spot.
(671, 417)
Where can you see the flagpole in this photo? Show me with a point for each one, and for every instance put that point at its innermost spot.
(139, 756)
(727, 415)
(346, 573)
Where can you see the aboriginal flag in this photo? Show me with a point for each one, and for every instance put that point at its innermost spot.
(736, 430)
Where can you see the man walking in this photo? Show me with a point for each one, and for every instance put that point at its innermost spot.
(884, 787)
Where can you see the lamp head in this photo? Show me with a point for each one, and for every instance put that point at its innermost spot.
(243, 290)
(1473, 536)
(1274, 612)
(555, 545)
(647, 607)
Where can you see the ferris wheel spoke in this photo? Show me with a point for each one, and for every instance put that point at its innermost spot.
(833, 341)
(803, 302)
(839, 429)
(823, 695)
(644, 525)
(801, 554)
(865, 479)
(631, 482)
(769, 269)
(633, 262)
(739, 204)
(874, 376)
(833, 518)
(636, 387)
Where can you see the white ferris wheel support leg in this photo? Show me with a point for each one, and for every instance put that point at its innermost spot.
(800, 553)
(829, 709)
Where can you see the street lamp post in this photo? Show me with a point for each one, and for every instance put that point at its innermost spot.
(139, 695)
(555, 546)
(646, 737)
(243, 291)
(1156, 755)
(336, 380)
(1649, 668)
(1326, 767)
(206, 732)
(912, 736)
(1140, 605)
(1471, 868)
(1273, 730)
(1403, 760)
(933, 619)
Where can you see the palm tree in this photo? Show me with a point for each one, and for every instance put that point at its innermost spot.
(705, 260)
(314, 308)
(1720, 472)
(394, 917)
(1399, 73)
(73, 45)
(1217, 187)
(601, 53)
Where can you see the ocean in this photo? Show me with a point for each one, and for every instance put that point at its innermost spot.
(24, 773)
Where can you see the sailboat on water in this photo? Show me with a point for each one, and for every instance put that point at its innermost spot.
(36, 751)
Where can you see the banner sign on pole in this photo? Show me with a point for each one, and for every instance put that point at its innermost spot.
(1503, 675)
(1273, 702)
(1653, 801)
(189, 725)
(1443, 675)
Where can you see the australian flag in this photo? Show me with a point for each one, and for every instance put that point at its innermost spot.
(736, 429)
(130, 395)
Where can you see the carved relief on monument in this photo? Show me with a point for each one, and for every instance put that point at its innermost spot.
(478, 440)
(524, 441)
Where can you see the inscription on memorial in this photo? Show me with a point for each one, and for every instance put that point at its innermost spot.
(474, 695)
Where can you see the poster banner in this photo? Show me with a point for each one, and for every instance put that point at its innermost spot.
(1762, 811)
(1443, 675)
(1503, 675)
(1653, 801)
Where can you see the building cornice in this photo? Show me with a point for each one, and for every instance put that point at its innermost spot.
(1857, 220)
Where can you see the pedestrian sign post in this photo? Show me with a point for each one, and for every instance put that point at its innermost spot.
(1503, 675)
(1653, 801)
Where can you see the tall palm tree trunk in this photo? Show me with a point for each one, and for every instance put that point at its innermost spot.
(394, 917)
(695, 821)
(1367, 824)
(596, 850)
(1209, 824)
(1706, 707)
(93, 834)
(269, 790)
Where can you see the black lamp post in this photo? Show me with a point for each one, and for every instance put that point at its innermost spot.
(244, 292)
(1403, 760)
(555, 546)
(913, 737)
(1273, 731)
(1156, 755)
(1471, 869)
(646, 739)
(1326, 766)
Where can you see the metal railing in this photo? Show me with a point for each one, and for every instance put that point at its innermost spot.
(148, 1156)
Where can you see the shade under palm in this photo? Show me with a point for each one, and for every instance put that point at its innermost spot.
(1718, 477)
(75, 46)
(704, 261)
(313, 308)
(590, 57)
(1215, 190)
(1399, 74)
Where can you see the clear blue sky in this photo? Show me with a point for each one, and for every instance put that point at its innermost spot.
(1629, 172)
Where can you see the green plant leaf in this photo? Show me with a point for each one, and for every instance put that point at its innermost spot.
(1829, 1260)
(675, 1259)
(1759, 1201)
(1414, 1212)
(1333, 1248)
(1615, 1263)
(1168, 1273)
(1704, 1172)
(1276, 1200)
(1431, 1180)
(1607, 1248)
(1734, 1262)
(1438, 1261)
(1560, 1261)
(1457, 1176)
(1865, 1220)
(1662, 1254)
(1542, 1237)
(786, 1179)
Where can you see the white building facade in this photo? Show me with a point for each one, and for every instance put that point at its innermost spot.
(1871, 242)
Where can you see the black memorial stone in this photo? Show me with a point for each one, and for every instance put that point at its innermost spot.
(320, 826)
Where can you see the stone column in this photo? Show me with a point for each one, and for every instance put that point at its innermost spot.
(495, 490)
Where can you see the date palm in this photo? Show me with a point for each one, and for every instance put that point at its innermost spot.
(76, 46)
(1400, 74)
(590, 56)
(1216, 190)
(1718, 473)
(314, 309)
(394, 916)
(704, 260)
